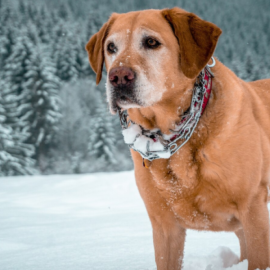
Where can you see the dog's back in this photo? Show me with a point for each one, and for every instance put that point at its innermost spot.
(263, 84)
(260, 100)
(262, 90)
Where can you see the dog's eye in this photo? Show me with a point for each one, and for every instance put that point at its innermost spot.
(151, 43)
(111, 48)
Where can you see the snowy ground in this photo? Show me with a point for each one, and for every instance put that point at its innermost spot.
(95, 222)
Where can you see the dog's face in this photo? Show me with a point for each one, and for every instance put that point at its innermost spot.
(148, 53)
(138, 51)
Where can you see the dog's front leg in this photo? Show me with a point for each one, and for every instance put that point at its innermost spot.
(243, 247)
(169, 239)
(169, 236)
(255, 224)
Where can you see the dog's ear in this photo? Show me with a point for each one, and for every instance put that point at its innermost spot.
(197, 39)
(95, 48)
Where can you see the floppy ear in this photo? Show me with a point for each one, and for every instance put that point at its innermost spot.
(95, 49)
(197, 39)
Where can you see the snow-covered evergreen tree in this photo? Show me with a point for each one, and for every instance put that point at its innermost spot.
(15, 153)
(44, 26)
(15, 65)
(66, 58)
(7, 41)
(40, 108)
(101, 144)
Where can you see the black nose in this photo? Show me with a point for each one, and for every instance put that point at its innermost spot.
(121, 76)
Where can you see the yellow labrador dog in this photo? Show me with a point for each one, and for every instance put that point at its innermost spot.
(218, 180)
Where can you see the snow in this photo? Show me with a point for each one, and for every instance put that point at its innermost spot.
(95, 221)
(133, 135)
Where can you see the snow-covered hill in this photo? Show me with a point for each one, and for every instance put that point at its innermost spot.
(95, 222)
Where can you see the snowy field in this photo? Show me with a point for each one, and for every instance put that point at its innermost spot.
(95, 222)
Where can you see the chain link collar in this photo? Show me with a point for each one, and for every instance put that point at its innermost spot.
(186, 127)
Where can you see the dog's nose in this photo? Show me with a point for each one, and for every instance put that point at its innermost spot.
(121, 75)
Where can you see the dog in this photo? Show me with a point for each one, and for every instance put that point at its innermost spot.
(218, 180)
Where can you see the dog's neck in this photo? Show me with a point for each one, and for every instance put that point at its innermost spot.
(212, 122)
(167, 113)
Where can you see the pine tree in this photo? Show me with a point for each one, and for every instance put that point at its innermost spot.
(41, 104)
(15, 65)
(31, 12)
(63, 11)
(44, 26)
(94, 23)
(15, 154)
(7, 41)
(79, 53)
(101, 144)
(66, 58)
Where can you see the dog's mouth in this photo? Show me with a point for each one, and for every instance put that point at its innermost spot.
(123, 101)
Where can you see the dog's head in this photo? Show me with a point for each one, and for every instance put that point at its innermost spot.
(148, 52)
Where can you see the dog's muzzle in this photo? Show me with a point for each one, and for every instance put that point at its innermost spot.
(122, 80)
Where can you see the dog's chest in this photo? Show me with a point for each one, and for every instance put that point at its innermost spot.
(198, 204)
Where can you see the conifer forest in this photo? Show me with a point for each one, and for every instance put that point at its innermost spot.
(53, 117)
